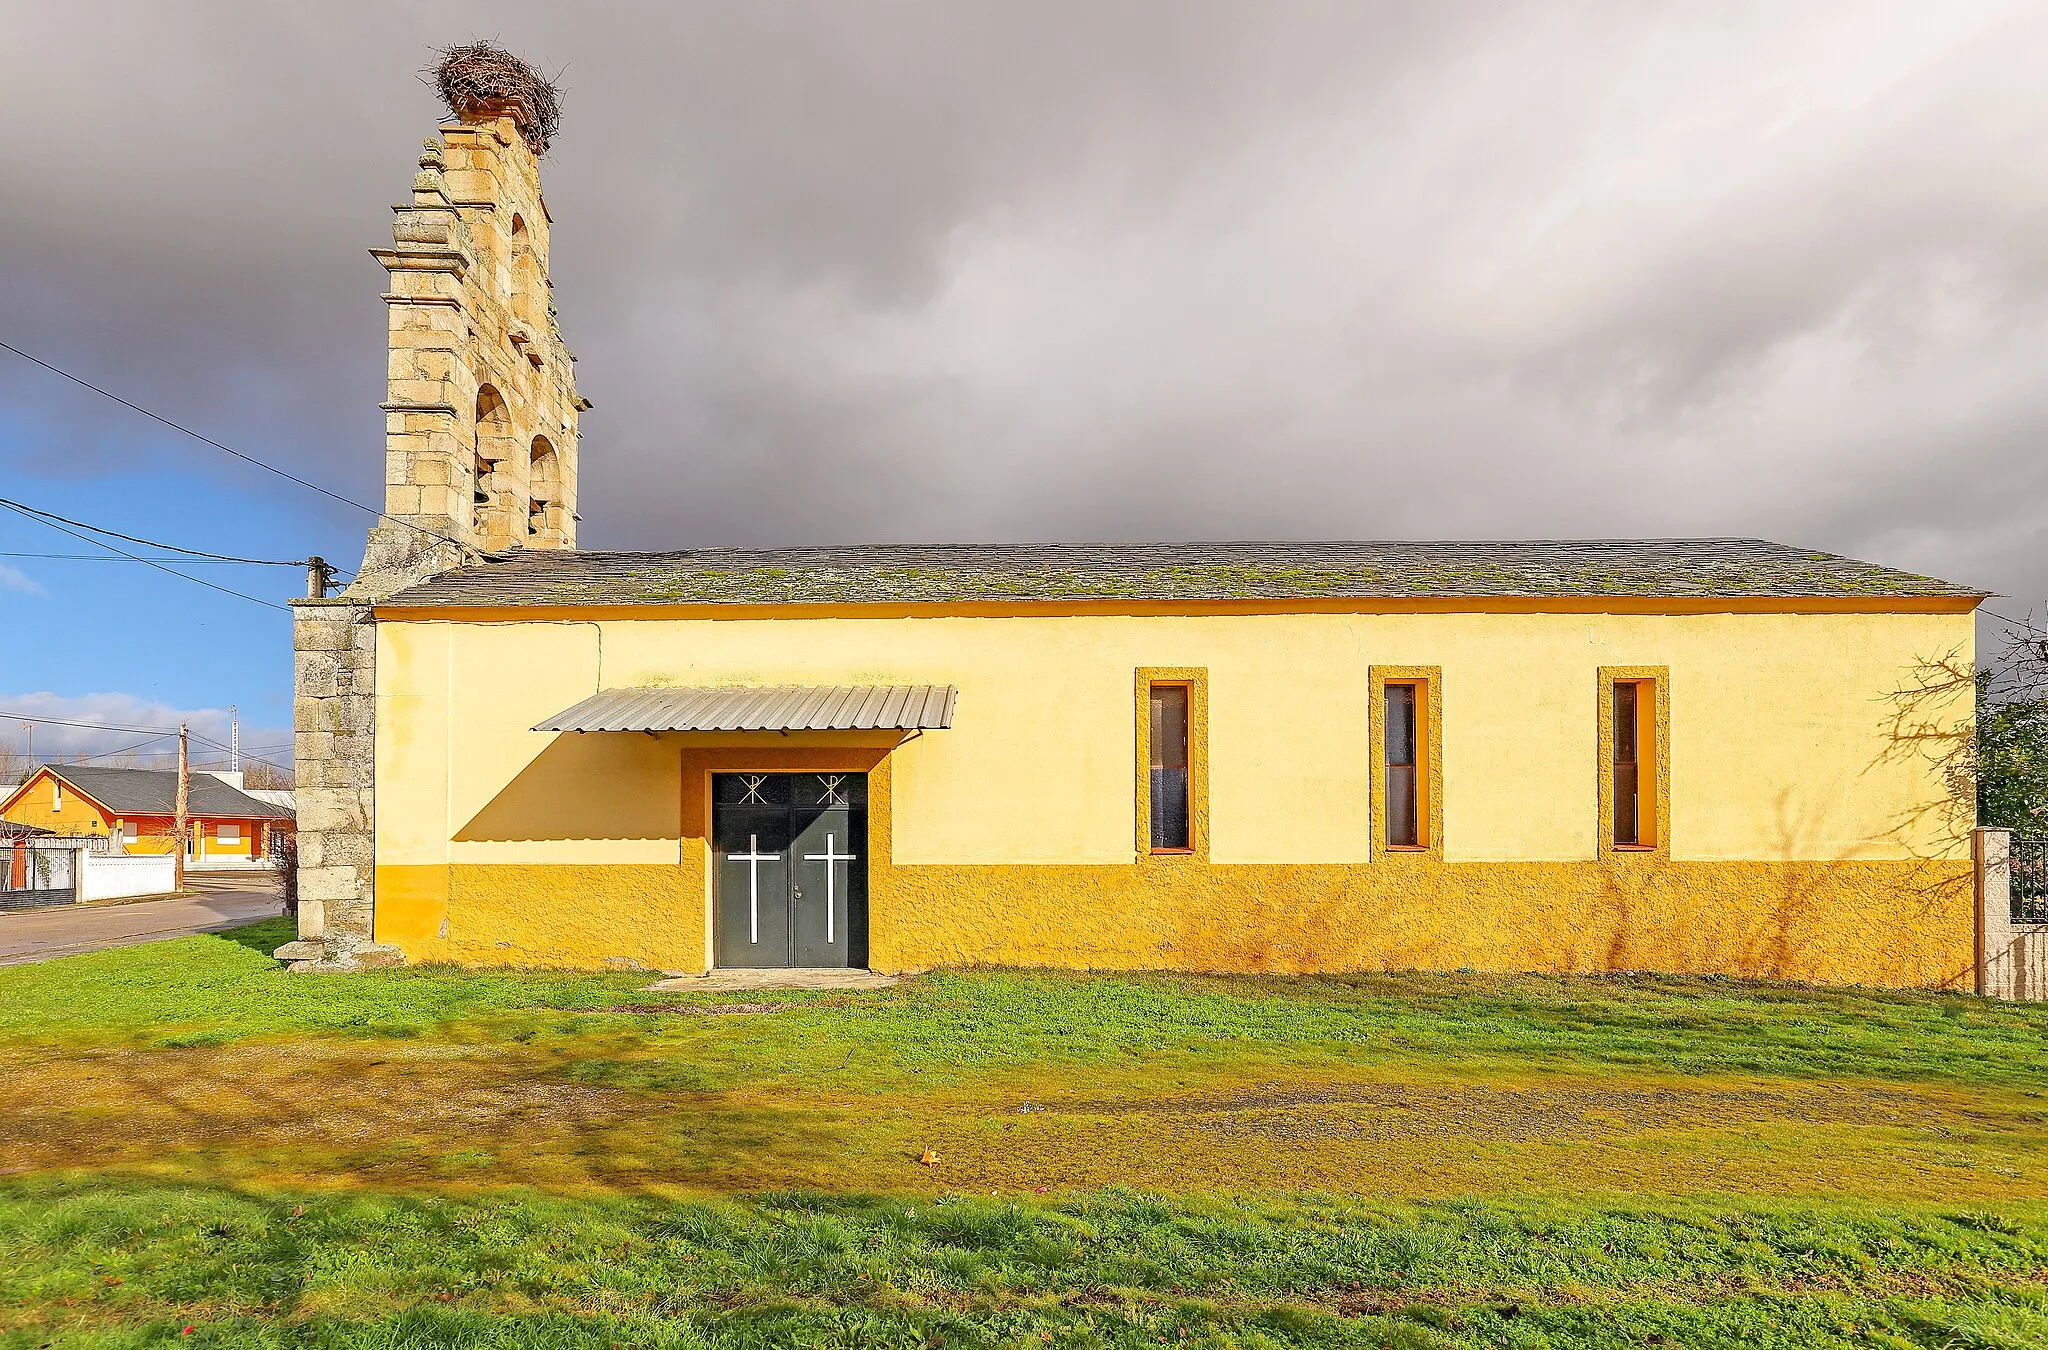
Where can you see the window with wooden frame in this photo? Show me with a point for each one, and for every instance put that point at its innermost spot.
(1405, 702)
(1173, 765)
(1172, 822)
(1407, 813)
(1634, 736)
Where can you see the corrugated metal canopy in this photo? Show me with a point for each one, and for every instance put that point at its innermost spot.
(777, 707)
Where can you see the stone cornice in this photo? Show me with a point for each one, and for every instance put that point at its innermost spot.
(408, 258)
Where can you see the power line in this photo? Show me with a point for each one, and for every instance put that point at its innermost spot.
(154, 733)
(227, 449)
(105, 557)
(96, 726)
(240, 595)
(151, 543)
(131, 749)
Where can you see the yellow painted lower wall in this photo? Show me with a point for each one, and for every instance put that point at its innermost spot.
(1845, 923)
(572, 916)
(1879, 923)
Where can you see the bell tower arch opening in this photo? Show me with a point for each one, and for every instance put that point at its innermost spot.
(546, 520)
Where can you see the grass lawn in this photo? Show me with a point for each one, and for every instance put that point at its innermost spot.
(199, 1149)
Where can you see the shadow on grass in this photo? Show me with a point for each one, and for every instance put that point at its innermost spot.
(1116, 1267)
(264, 936)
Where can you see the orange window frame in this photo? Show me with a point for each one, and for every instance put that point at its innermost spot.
(1427, 682)
(1418, 766)
(1187, 767)
(1195, 680)
(1652, 750)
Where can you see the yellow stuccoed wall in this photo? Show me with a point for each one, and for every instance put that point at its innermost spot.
(1795, 846)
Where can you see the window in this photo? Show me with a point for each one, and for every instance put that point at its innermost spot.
(1404, 771)
(1170, 787)
(228, 834)
(56, 793)
(1406, 705)
(1634, 784)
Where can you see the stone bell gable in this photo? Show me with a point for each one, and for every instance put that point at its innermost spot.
(480, 419)
(479, 457)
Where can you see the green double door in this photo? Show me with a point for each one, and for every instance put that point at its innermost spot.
(790, 851)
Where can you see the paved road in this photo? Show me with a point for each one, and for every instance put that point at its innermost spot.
(226, 900)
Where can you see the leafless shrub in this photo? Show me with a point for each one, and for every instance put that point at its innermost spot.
(263, 776)
(284, 860)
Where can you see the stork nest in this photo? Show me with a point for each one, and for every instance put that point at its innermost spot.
(482, 79)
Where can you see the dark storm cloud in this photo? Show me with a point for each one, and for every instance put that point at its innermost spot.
(929, 271)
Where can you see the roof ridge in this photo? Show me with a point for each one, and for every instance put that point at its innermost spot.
(523, 554)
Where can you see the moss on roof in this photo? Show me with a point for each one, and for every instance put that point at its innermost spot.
(938, 573)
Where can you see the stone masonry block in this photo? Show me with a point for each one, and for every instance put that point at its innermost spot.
(347, 850)
(355, 750)
(320, 635)
(327, 810)
(313, 675)
(418, 391)
(328, 884)
(320, 714)
(434, 363)
(312, 918)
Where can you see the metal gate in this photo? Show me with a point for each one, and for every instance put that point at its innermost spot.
(41, 871)
(2029, 894)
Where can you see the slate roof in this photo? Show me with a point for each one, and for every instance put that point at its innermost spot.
(154, 792)
(931, 573)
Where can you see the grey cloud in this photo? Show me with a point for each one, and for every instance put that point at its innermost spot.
(943, 270)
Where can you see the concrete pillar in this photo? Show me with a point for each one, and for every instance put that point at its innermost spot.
(2012, 958)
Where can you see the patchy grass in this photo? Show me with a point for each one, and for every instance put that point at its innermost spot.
(501, 1159)
(955, 1027)
(131, 1265)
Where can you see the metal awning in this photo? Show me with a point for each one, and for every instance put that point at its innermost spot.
(775, 707)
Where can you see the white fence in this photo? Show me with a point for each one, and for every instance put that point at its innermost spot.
(55, 871)
(108, 878)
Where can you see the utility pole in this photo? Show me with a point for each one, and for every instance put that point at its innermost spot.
(318, 577)
(184, 799)
(234, 740)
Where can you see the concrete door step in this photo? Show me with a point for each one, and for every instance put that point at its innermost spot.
(721, 981)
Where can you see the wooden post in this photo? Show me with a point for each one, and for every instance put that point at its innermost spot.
(184, 799)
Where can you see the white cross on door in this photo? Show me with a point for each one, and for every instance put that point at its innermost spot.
(753, 858)
(830, 856)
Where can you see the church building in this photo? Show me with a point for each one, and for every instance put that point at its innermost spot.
(1670, 755)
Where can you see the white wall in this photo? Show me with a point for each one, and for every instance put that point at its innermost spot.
(128, 874)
